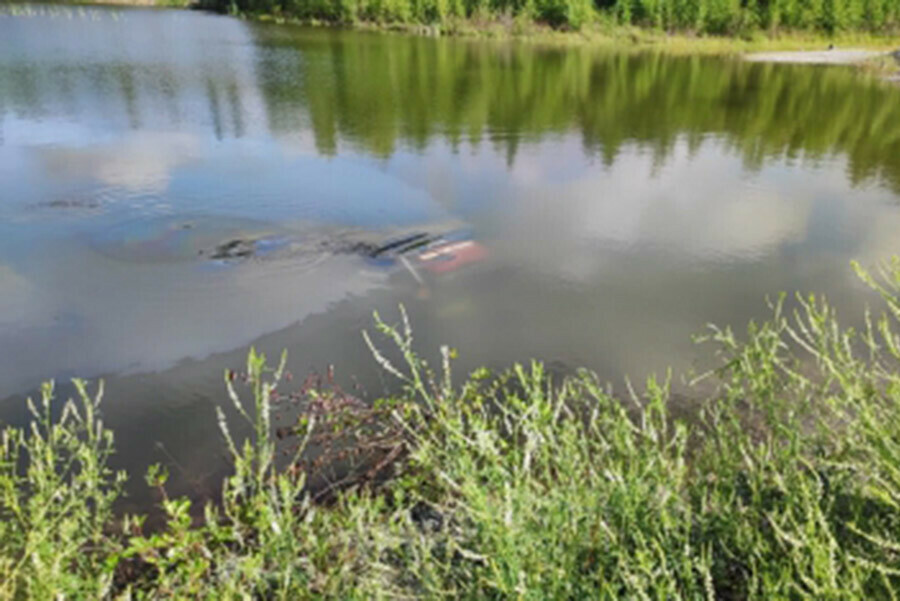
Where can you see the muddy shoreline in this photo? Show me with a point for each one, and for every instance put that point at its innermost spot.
(885, 63)
(832, 56)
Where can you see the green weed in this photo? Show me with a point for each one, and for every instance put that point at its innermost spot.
(783, 483)
(729, 17)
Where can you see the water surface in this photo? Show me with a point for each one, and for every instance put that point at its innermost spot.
(622, 201)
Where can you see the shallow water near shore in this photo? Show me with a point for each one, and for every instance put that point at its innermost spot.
(619, 202)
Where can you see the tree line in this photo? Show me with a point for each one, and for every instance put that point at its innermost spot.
(702, 16)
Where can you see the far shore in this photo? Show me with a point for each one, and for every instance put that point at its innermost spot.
(875, 53)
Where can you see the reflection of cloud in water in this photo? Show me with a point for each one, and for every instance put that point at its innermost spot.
(147, 316)
(681, 210)
(185, 238)
(15, 293)
(139, 162)
(161, 70)
(297, 143)
(881, 240)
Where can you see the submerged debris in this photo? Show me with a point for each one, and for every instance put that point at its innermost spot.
(231, 241)
(70, 204)
(233, 249)
(437, 253)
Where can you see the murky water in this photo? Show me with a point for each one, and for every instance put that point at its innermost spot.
(178, 186)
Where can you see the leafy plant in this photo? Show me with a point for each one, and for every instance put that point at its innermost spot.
(782, 483)
(56, 496)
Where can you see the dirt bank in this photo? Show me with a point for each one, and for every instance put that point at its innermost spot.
(817, 57)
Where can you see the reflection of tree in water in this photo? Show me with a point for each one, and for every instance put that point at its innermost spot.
(20, 90)
(381, 92)
(141, 96)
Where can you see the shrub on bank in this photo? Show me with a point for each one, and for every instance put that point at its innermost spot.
(784, 483)
(701, 16)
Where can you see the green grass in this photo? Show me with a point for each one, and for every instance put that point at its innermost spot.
(697, 24)
(602, 30)
(677, 26)
(716, 17)
(782, 482)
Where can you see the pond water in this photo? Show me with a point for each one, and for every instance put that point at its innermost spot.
(178, 186)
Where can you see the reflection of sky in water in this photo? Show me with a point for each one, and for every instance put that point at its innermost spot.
(97, 275)
(112, 133)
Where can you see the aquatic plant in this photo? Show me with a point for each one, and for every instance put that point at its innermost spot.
(782, 482)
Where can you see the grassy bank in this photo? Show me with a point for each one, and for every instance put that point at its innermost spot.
(693, 17)
(756, 26)
(606, 32)
(784, 483)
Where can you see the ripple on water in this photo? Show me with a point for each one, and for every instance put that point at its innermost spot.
(178, 239)
(219, 241)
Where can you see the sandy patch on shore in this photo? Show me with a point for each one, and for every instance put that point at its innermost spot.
(817, 57)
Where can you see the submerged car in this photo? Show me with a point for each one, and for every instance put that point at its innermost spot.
(435, 253)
